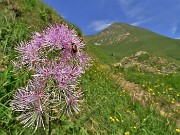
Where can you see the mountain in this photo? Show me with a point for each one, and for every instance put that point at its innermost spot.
(120, 40)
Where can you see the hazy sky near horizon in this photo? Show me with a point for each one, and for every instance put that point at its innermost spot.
(92, 16)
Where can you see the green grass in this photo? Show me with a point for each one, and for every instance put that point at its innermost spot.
(122, 40)
(103, 99)
(99, 54)
(107, 109)
(107, 100)
(164, 88)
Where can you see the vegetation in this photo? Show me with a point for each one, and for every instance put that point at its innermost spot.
(149, 63)
(107, 108)
(163, 88)
(121, 40)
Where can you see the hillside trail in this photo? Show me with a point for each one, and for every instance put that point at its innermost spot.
(137, 93)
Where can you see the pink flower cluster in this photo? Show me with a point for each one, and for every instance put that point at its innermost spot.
(56, 59)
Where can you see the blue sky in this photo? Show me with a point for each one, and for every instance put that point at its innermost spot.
(91, 16)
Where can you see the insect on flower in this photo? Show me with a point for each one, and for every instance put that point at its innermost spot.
(74, 49)
(49, 58)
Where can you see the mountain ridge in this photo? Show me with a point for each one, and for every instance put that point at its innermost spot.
(126, 24)
(120, 40)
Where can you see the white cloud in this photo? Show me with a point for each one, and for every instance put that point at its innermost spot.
(131, 9)
(137, 23)
(100, 25)
(174, 29)
(141, 22)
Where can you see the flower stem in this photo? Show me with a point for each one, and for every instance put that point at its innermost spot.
(50, 113)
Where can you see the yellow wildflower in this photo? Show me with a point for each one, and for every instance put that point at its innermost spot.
(112, 119)
(117, 119)
(150, 89)
(127, 133)
(178, 130)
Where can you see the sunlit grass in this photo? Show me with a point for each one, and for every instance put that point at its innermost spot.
(113, 111)
(107, 108)
(163, 88)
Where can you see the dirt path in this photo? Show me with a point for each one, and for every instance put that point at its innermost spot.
(133, 89)
(137, 93)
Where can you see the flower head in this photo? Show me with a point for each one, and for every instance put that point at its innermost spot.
(56, 60)
(31, 101)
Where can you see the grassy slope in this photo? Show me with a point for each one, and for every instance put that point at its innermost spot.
(103, 98)
(163, 88)
(123, 40)
(116, 102)
(18, 19)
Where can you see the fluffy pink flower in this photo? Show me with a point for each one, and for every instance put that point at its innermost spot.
(56, 60)
(32, 102)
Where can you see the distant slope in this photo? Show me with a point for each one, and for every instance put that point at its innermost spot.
(120, 40)
(146, 62)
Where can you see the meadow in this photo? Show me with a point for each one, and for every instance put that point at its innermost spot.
(163, 89)
(107, 108)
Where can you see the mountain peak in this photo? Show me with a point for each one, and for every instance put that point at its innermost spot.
(119, 24)
(116, 26)
(121, 39)
(122, 32)
(116, 32)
